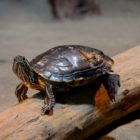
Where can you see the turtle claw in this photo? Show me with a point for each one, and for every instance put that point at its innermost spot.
(46, 109)
(111, 94)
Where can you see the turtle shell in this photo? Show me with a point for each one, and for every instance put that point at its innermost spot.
(71, 62)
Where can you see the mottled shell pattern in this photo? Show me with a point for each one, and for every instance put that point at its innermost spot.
(71, 62)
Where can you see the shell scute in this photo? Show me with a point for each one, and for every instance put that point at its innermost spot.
(70, 62)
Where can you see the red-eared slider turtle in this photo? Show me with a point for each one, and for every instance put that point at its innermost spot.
(62, 68)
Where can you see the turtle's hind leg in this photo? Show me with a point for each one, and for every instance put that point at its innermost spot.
(111, 83)
(21, 91)
(49, 99)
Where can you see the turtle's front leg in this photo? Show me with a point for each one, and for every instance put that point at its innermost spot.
(49, 99)
(21, 91)
(111, 83)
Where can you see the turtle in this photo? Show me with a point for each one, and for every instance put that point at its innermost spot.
(63, 68)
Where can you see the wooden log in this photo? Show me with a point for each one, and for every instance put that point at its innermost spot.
(77, 115)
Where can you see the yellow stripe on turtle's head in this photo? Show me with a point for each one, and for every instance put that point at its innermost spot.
(22, 69)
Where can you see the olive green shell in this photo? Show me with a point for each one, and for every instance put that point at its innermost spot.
(71, 62)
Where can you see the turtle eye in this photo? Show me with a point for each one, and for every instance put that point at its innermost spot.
(24, 60)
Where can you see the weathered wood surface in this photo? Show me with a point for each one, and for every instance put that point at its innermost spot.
(78, 114)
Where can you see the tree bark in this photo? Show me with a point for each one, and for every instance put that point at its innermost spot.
(77, 114)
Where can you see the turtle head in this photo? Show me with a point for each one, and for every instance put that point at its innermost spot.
(22, 68)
